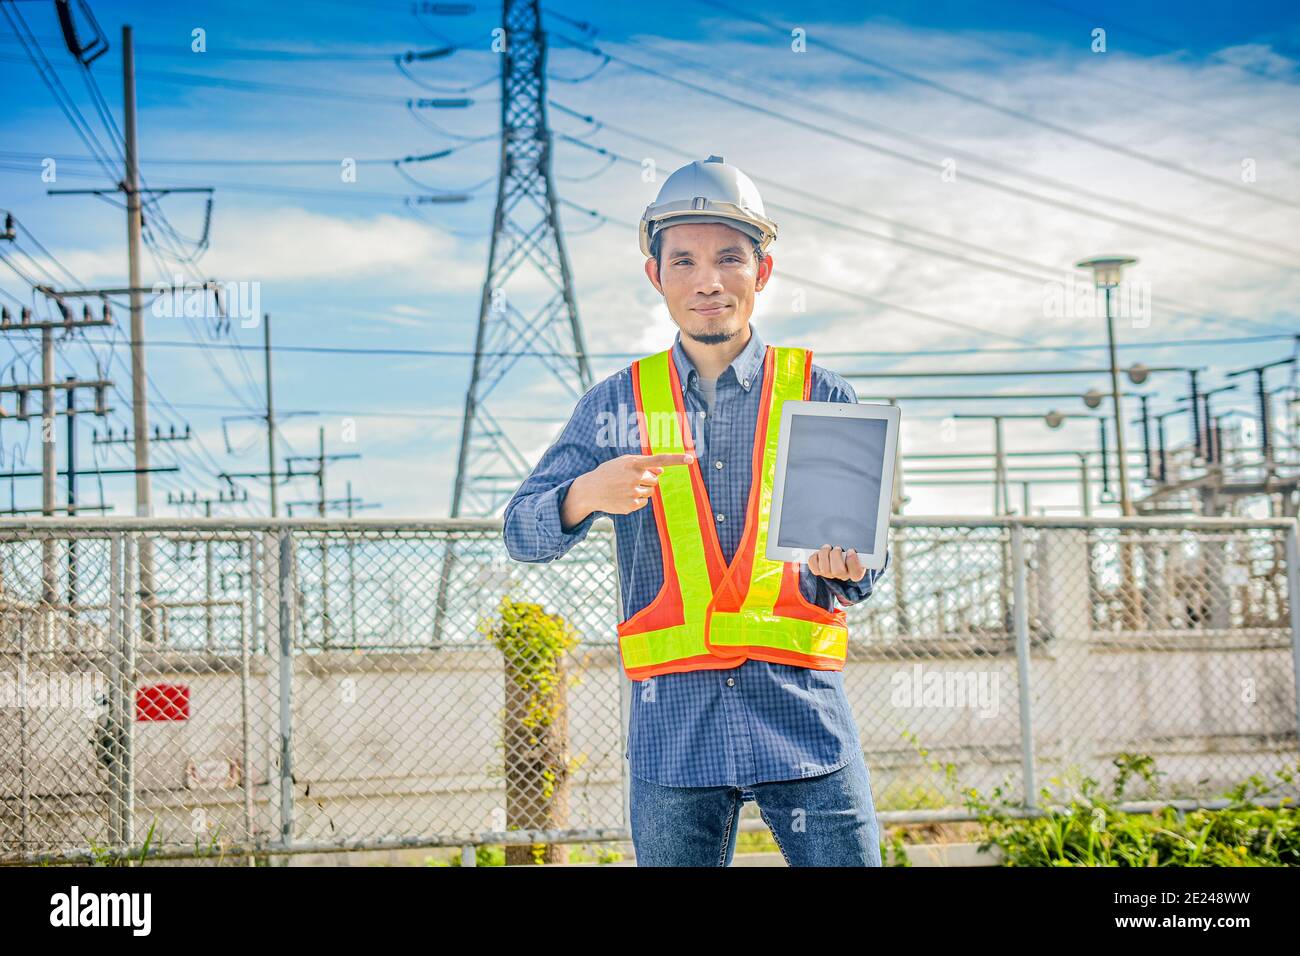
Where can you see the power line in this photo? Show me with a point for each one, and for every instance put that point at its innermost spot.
(219, 161)
(816, 108)
(1053, 273)
(1014, 113)
(91, 140)
(49, 76)
(856, 353)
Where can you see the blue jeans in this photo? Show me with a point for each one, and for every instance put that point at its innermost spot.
(828, 820)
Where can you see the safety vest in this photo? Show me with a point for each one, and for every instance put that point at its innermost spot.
(709, 615)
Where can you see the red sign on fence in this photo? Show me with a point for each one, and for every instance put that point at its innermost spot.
(162, 702)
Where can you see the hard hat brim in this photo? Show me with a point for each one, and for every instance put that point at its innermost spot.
(755, 225)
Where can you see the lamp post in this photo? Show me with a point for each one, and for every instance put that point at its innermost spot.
(1106, 271)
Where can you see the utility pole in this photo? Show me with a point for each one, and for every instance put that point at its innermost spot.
(289, 473)
(321, 501)
(1162, 474)
(349, 502)
(139, 384)
(1195, 400)
(47, 387)
(131, 184)
(320, 474)
(270, 413)
(321, 458)
(72, 491)
(209, 565)
(1145, 421)
(49, 472)
(130, 188)
(319, 471)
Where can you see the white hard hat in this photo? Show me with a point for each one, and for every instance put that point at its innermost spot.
(709, 191)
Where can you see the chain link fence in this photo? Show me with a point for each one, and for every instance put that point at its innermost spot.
(1029, 654)
(263, 686)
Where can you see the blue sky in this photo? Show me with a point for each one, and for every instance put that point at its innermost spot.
(1137, 149)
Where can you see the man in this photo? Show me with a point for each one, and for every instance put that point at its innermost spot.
(737, 660)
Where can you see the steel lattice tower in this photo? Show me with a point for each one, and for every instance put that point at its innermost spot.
(525, 231)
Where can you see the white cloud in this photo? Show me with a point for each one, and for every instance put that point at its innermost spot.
(1206, 115)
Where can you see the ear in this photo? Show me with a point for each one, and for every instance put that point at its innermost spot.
(652, 273)
(764, 272)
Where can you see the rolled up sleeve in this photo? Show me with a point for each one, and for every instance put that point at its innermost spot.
(532, 526)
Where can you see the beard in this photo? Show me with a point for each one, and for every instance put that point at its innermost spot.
(712, 338)
(715, 331)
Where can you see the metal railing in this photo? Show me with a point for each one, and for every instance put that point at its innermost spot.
(306, 685)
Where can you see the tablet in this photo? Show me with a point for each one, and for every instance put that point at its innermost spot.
(834, 480)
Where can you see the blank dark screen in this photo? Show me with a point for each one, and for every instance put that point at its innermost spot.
(832, 482)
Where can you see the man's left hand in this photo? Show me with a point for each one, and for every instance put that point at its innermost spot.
(828, 562)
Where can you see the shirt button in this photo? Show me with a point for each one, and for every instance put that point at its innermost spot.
(731, 682)
(745, 383)
(722, 517)
(717, 464)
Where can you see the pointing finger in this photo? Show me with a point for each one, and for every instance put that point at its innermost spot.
(651, 461)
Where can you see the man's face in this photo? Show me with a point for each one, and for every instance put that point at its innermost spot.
(709, 279)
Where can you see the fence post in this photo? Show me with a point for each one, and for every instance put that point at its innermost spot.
(1021, 609)
(24, 747)
(286, 594)
(114, 709)
(247, 621)
(624, 689)
(126, 731)
(1293, 603)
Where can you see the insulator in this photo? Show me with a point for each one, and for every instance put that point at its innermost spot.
(108, 312)
(85, 313)
(100, 407)
(22, 404)
(27, 316)
(4, 315)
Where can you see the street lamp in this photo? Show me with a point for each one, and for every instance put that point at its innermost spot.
(1106, 272)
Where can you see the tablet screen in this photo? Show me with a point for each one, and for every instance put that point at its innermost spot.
(832, 482)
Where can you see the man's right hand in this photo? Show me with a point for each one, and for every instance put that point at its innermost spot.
(618, 486)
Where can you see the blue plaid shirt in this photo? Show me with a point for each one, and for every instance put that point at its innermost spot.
(738, 726)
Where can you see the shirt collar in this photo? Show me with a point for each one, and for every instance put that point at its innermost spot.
(746, 365)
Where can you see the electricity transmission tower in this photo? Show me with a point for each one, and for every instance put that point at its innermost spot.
(525, 232)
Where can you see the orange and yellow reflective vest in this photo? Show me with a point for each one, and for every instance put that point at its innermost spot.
(709, 615)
